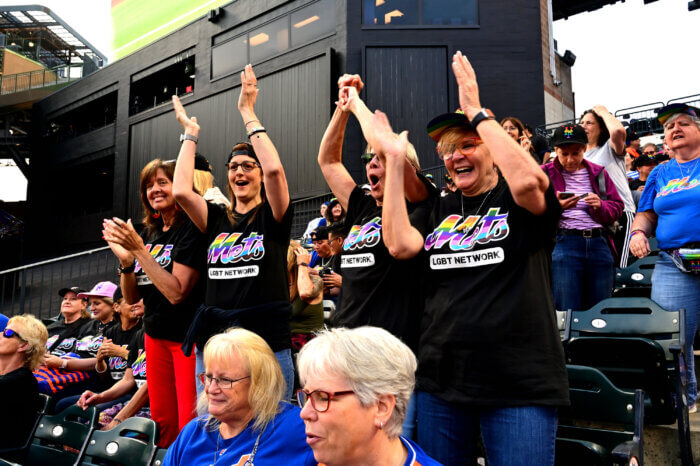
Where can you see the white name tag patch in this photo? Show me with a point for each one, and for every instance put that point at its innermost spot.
(467, 259)
(235, 272)
(357, 260)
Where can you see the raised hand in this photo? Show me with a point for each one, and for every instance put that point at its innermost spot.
(122, 233)
(302, 255)
(188, 124)
(351, 80)
(347, 97)
(600, 110)
(249, 91)
(384, 141)
(468, 87)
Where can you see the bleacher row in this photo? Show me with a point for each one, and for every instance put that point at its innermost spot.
(625, 362)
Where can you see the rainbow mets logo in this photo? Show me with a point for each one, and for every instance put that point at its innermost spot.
(568, 131)
(364, 236)
(228, 250)
(473, 230)
(677, 185)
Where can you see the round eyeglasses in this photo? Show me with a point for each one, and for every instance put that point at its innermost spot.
(320, 400)
(466, 147)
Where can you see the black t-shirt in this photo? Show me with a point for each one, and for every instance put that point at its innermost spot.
(247, 263)
(182, 243)
(117, 365)
(488, 335)
(377, 289)
(635, 184)
(66, 340)
(19, 391)
(137, 358)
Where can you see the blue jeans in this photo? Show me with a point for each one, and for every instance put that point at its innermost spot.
(284, 358)
(674, 290)
(409, 424)
(523, 435)
(583, 272)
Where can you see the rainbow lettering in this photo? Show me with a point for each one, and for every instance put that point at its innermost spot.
(568, 131)
(139, 366)
(364, 236)
(225, 249)
(160, 252)
(474, 230)
(677, 185)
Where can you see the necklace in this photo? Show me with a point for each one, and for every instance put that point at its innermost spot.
(325, 263)
(249, 461)
(461, 200)
(690, 172)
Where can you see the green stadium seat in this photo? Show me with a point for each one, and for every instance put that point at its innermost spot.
(130, 443)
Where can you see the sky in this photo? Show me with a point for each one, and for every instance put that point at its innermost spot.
(627, 54)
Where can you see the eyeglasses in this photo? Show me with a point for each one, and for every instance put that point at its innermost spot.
(466, 147)
(221, 382)
(9, 333)
(320, 400)
(246, 166)
(649, 153)
(367, 157)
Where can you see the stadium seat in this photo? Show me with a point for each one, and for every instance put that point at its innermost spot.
(131, 442)
(159, 456)
(635, 280)
(603, 425)
(637, 345)
(61, 438)
(561, 323)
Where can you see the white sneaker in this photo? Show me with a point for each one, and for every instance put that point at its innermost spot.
(692, 409)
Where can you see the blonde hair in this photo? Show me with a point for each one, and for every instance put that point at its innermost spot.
(373, 361)
(411, 155)
(203, 181)
(33, 331)
(267, 385)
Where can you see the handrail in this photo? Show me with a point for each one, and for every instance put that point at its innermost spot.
(55, 259)
(18, 82)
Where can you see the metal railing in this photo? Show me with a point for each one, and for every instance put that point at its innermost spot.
(11, 83)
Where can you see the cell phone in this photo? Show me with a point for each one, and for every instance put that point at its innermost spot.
(566, 195)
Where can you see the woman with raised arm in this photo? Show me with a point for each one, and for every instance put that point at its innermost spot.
(377, 289)
(246, 263)
(606, 147)
(162, 266)
(669, 210)
(489, 350)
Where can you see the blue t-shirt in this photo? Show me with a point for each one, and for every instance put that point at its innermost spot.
(416, 455)
(672, 191)
(282, 442)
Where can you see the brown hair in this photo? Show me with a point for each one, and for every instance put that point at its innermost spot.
(292, 267)
(151, 220)
(232, 216)
(517, 123)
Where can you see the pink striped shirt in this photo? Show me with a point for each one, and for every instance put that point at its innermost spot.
(577, 218)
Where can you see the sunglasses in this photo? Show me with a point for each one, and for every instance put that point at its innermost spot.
(466, 147)
(9, 333)
(367, 157)
(649, 154)
(245, 166)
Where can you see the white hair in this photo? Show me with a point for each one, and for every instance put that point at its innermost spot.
(372, 360)
(676, 116)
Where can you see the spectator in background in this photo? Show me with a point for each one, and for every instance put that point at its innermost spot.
(73, 315)
(100, 298)
(449, 185)
(335, 212)
(583, 264)
(320, 257)
(606, 147)
(539, 145)
(649, 149)
(669, 209)
(305, 294)
(332, 278)
(315, 223)
(516, 130)
(3, 321)
(204, 182)
(21, 351)
(643, 165)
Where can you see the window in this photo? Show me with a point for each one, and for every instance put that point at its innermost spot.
(436, 13)
(93, 115)
(157, 88)
(313, 21)
(229, 57)
(269, 40)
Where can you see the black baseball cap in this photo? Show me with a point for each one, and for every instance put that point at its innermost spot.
(644, 160)
(319, 234)
(569, 134)
(75, 289)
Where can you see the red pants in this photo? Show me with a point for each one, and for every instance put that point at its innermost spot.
(171, 387)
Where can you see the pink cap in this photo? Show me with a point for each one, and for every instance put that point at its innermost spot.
(102, 289)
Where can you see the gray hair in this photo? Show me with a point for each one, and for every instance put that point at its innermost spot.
(676, 116)
(372, 360)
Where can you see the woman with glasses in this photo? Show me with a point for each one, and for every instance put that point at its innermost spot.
(244, 417)
(606, 147)
(21, 351)
(515, 129)
(376, 288)
(246, 266)
(162, 266)
(357, 384)
(489, 352)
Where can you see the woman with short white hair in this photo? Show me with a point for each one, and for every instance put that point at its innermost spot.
(669, 210)
(357, 383)
(245, 418)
